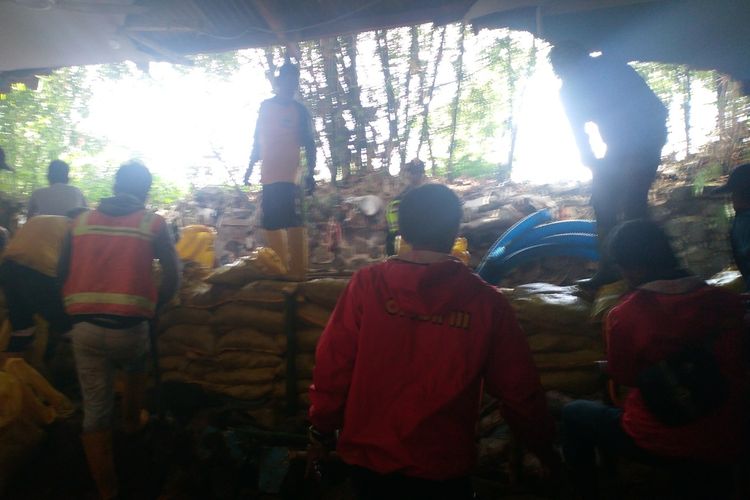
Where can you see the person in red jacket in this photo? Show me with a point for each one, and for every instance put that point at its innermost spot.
(111, 293)
(401, 366)
(667, 311)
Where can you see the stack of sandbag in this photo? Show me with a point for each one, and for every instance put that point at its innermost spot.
(564, 341)
(317, 299)
(5, 327)
(28, 403)
(230, 340)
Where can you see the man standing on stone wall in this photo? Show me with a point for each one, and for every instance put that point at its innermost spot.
(284, 126)
(632, 123)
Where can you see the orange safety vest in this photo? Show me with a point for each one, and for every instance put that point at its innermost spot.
(111, 265)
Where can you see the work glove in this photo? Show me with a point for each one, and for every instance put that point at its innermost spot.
(309, 184)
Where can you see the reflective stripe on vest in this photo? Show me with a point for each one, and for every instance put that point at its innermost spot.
(111, 265)
(109, 298)
(391, 215)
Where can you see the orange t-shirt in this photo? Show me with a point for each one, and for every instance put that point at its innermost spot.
(281, 131)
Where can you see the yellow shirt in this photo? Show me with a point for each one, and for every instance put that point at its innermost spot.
(38, 243)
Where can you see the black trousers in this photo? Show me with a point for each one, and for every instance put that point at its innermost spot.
(369, 485)
(29, 292)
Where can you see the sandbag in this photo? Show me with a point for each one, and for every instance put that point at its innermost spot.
(247, 359)
(42, 391)
(324, 292)
(173, 363)
(313, 314)
(548, 342)
(607, 297)
(559, 308)
(279, 389)
(262, 263)
(307, 339)
(198, 338)
(18, 443)
(246, 392)
(249, 339)
(197, 245)
(176, 376)
(266, 293)
(305, 364)
(243, 376)
(242, 315)
(11, 399)
(206, 296)
(183, 316)
(554, 361)
(38, 243)
(573, 382)
(265, 417)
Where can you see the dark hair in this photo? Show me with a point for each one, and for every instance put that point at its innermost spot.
(58, 172)
(289, 70)
(429, 217)
(415, 166)
(133, 178)
(642, 244)
(567, 52)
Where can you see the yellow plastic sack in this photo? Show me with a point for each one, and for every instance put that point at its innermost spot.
(11, 399)
(607, 297)
(197, 245)
(40, 388)
(38, 243)
(248, 339)
(262, 263)
(325, 292)
(243, 315)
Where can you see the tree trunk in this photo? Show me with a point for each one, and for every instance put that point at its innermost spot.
(336, 130)
(414, 67)
(312, 93)
(687, 96)
(365, 150)
(424, 135)
(381, 37)
(459, 66)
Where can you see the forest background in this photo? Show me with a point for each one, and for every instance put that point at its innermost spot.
(454, 98)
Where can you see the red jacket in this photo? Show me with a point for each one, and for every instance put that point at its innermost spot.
(653, 322)
(111, 265)
(400, 367)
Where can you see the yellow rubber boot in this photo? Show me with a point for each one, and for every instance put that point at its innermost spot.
(98, 448)
(298, 258)
(133, 396)
(277, 240)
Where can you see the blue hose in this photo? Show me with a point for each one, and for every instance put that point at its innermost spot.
(561, 227)
(494, 271)
(520, 227)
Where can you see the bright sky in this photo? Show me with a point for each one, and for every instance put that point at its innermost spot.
(176, 120)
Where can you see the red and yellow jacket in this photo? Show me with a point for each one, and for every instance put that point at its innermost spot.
(657, 320)
(401, 366)
(111, 269)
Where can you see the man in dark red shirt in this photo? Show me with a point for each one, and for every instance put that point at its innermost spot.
(667, 311)
(401, 366)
